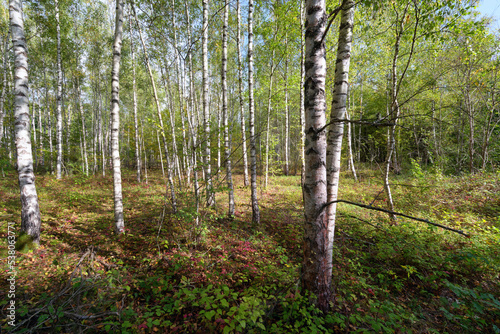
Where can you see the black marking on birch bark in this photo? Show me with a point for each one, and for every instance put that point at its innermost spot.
(318, 165)
(314, 9)
(345, 25)
(311, 150)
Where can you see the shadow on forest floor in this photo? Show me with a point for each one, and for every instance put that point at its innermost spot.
(228, 275)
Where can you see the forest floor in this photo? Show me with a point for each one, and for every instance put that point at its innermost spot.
(223, 275)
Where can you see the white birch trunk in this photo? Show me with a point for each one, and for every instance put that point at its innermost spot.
(316, 265)
(115, 120)
(240, 94)
(271, 77)
(251, 112)
(191, 118)
(349, 146)
(338, 113)
(4, 84)
(30, 210)
(134, 98)
(59, 96)
(227, 145)
(206, 110)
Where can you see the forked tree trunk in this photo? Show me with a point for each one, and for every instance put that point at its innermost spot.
(227, 145)
(316, 265)
(240, 94)
(115, 120)
(251, 112)
(30, 210)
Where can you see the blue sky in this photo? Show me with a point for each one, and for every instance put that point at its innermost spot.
(491, 8)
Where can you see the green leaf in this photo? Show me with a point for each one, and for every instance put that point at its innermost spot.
(209, 314)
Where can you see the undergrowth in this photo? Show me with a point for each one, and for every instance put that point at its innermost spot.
(223, 275)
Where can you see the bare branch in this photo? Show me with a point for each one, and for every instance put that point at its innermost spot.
(369, 207)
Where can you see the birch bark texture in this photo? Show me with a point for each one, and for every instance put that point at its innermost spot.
(225, 116)
(240, 93)
(115, 120)
(338, 114)
(134, 99)
(316, 269)
(30, 210)
(206, 110)
(58, 96)
(251, 112)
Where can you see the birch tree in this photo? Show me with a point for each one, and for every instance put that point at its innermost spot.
(134, 99)
(115, 119)
(227, 145)
(316, 267)
(160, 118)
(206, 110)
(338, 114)
(30, 210)
(251, 112)
(240, 94)
(59, 95)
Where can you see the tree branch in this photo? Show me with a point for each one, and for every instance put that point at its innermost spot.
(369, 207)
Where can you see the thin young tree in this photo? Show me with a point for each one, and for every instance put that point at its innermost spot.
(206, 110)
(338, 114)
(134, 99)
(30, 210)
(59, 95)
(227, 145)
(115, 119)
(240, 94)
(4, 84)
(160, 118)
(301, 88)
(251, 112)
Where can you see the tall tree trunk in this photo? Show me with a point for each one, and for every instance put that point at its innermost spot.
(269, 98)
(30, 210)
(240, 94)
(338, 114)
(316, 265)
(59, 95)
(301, 88)
(287, 113)
(206, 110)
(251, 112)
(227, 145)
(191, 118)
(134, 98)
(4, 83)
(115, 123)
(160, 118)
